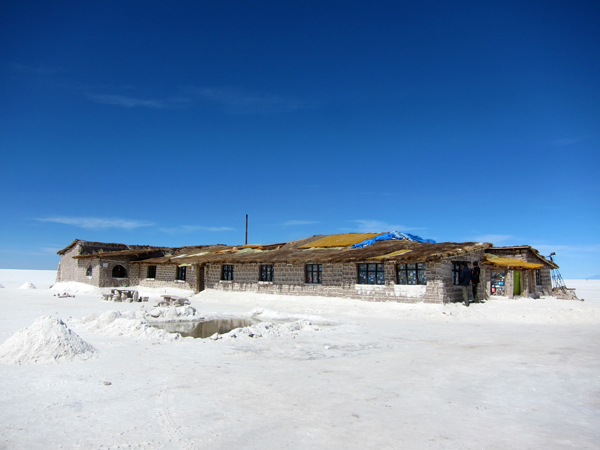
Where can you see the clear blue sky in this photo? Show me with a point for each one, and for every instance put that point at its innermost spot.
(164, 123)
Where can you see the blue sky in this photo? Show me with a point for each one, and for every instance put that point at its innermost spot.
(165, 123)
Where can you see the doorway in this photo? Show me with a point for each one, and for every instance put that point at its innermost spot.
(517, 283)
(200, 280)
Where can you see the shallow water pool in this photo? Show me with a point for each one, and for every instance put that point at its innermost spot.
(204, 329)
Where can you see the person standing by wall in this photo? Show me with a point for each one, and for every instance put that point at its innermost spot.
(475, 280)
(464, 279)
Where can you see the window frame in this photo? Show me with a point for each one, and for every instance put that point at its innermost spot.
(227, 272)
(309, 273)
(265, 272)
(151, 272)
(456, 268)
(420, 274)
(538, 277)
(89, 271)
(368, 270)
(124, 272)
(181, 273)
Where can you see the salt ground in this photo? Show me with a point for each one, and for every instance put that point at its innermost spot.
(351, 374)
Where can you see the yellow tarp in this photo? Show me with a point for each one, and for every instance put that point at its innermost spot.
(227, 250)
(399, 252)
(263, 246)
(340, 240)
(194, 254)
(510, 262)
(242, 249)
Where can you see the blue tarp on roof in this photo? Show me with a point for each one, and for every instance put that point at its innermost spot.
(392, 235)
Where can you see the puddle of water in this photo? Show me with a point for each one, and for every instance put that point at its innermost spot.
(205, 329)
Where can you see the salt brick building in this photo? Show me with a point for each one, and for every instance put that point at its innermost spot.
(326, 265)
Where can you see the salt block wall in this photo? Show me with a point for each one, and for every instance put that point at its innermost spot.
(70, 269)
(340, 280)
(106, 271)
(528, 281)
(443, 287)
(166, 275)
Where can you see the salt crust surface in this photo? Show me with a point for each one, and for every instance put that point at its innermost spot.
(74, 287)
(389, 376)
(13, 278)
(270, 314)
(47, 341)
(545, 310)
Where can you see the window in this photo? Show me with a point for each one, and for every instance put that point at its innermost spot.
(456, 266)
(313, 273)
(151, 272)
(371, 274)
(413, 273)
(227, 273)
(88, 272)
(538, 277)
(119, 272)
(181, 272)
(266, 272)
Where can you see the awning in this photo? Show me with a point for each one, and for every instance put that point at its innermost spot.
(509, 263)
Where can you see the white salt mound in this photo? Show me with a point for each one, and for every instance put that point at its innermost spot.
(28, 286)
(179, 314)
(128, 324)
(1, 287)
(270, 330)
(47, 341)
